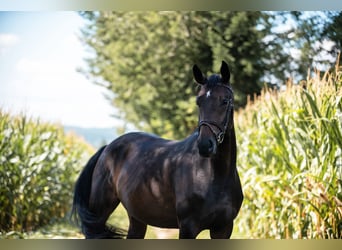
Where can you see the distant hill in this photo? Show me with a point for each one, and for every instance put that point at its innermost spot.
(94, 136)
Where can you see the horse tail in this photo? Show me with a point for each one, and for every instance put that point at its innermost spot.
(92, 225)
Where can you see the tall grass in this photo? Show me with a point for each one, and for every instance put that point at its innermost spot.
(290, 160)
(38, 166)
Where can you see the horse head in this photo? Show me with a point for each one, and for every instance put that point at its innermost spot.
(215, 103)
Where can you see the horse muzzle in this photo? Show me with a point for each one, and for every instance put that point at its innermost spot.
(210, 136)
(207, 147)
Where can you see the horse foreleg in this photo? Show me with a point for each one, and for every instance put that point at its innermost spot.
(222, 233)
(188, 229)
(137, 229)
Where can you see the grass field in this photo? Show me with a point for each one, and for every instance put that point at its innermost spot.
(66, 230)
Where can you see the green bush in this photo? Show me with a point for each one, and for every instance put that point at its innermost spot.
(290, 161)
(38, 167)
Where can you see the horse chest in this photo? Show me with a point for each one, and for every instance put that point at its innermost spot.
(209, 185)
(207, 198)
(202, 180)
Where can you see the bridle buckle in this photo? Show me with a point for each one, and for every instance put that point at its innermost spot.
(220, 137)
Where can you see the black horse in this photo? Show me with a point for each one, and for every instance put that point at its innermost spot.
(191, 184)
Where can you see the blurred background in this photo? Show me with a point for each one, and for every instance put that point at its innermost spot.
(73, 81)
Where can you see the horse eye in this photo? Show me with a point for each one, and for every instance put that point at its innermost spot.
(225, 102)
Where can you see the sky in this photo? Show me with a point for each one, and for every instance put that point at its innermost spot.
(39, 56)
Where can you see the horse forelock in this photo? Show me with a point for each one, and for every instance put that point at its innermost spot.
(213, 80)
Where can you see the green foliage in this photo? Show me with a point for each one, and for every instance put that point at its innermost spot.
(243, 40)
(38, 166)
(145, 59)
(333, 31)
(290, 160)
(306, 36)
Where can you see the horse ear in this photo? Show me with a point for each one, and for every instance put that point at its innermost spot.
(225, 73)
(198, 74)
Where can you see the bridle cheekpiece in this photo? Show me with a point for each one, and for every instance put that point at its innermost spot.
(221, 131)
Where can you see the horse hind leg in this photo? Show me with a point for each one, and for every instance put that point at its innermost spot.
(97, 228)
(95, 199)
(103, 201)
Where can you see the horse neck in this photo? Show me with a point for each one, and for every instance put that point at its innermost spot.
(226, 155)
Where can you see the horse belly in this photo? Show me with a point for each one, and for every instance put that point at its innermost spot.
(152, 205)
(155, 215)
(145, 189)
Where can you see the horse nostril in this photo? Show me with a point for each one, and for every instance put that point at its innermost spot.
(206, 147)
(211, 146)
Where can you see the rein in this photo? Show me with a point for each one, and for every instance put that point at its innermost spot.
(219, 136)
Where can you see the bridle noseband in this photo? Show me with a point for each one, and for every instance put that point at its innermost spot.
(219, 136)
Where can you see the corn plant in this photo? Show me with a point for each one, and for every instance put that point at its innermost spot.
(291, 160)
(38, 167)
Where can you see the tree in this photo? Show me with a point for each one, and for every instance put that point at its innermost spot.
(243, 40)
(307, 42)
(145, 60)
(333, 31)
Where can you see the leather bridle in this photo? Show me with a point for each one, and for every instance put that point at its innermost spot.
(220, 131)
